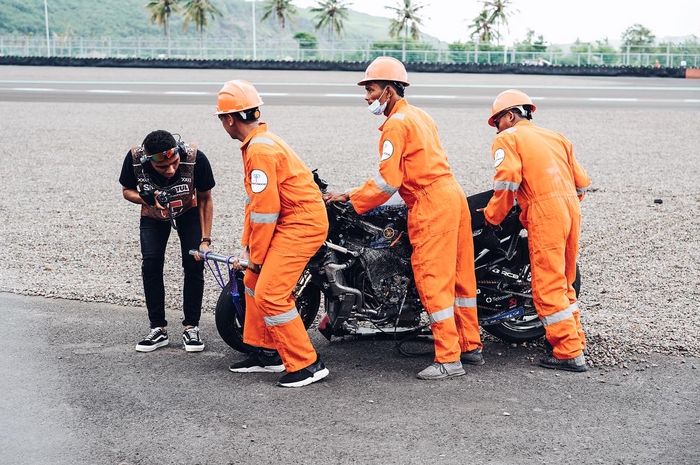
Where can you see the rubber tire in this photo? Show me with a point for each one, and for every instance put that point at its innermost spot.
(511, 333)
(227, 324)
(231, 330)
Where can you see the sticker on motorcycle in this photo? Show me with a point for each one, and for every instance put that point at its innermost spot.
(387, 150)
(498, 157)
(258, 181)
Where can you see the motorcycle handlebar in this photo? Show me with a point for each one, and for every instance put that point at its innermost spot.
(217, 257)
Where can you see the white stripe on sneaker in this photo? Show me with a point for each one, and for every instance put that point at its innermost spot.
(318, 376)
(258, 369)
(151, 348)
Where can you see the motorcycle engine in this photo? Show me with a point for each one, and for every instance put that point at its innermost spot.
(387, 274)
(388, 279)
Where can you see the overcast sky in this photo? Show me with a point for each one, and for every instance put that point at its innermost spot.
(560, 21)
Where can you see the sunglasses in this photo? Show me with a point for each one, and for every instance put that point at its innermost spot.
(497, 119)
(162, 156)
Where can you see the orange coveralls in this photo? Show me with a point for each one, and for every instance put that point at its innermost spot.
(540, 167)
(285, 224)
(413, 162)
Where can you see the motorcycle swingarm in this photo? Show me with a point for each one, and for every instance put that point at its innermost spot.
(509, 314)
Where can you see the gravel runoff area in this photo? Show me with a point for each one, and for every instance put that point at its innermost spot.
(68, 233)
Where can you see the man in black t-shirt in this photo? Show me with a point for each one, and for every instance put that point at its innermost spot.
(172, 182)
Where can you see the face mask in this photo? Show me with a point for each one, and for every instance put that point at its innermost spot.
(377, 108)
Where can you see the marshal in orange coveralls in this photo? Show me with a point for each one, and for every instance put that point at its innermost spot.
(285, 224)
(539, 167)
(413, 162)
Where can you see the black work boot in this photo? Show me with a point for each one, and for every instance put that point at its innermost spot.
(473, 357)
(259, 361)
(577, 364)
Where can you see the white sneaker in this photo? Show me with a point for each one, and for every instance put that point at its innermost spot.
(442, 371)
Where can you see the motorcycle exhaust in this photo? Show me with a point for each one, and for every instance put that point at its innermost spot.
(332, 270)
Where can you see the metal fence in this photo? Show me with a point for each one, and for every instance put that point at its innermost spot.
(207, 48)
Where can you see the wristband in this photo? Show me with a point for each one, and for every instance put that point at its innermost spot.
(205, 239)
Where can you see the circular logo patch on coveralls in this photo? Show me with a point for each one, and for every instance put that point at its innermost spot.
(258, 181)
(498, 157)
(387, 150)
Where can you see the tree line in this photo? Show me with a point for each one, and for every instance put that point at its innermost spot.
(485, 30)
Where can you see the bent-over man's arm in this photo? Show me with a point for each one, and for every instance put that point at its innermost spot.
(205, 202)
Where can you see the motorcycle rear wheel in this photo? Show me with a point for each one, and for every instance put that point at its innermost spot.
(527, 328)
(230, 327)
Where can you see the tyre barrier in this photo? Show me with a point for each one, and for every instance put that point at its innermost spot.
(476, 68)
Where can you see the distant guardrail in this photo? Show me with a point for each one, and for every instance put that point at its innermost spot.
(668, 55)
(586, 70)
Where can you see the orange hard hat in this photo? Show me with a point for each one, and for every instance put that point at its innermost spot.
(385, 69)
(509, 99)
(237, 95)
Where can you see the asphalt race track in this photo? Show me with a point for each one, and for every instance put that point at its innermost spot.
(166, 86)
(75, 392)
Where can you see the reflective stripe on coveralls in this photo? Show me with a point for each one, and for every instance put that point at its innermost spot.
(561, 315)
(286, 223)
(506, 186)
(443, 314)
(262, 140)
(439, 224)
(549, 178)
(282, 318)
(264, 218)
(384, 186)
(465, 301)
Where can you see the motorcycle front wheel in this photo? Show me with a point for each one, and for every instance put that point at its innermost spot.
(526, 328)
(228, 321)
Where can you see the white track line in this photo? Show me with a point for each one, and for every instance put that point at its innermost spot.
(183, 92)
(108, 91)
(611, 99)
(357, 96)
(32, 89)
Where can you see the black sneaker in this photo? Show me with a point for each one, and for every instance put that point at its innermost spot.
(473, 357)
(191, 340)
(259, 361)
(315, 372)
(577, 364)
(158, 337)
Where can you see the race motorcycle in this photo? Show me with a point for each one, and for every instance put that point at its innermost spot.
(363, 272)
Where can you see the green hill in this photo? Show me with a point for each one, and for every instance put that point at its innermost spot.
(129, 18)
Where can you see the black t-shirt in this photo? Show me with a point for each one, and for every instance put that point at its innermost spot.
(203, 176)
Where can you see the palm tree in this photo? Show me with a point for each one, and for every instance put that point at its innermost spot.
(197, 11)
(160, 14)
(283, 10)
(406, 21)
(498, 13)
(331, 14)
(482, 28)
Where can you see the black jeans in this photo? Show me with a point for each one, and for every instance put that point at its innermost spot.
(154, 238)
